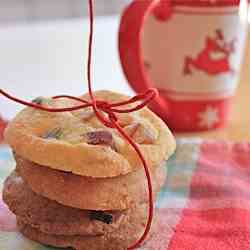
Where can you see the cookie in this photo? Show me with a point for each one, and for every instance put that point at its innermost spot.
(52, 218)
(117, 193)
(78, 142)
(121, 239)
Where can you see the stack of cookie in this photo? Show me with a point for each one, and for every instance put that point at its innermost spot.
(79, 184)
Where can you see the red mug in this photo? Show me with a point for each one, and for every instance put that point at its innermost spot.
(191, 51)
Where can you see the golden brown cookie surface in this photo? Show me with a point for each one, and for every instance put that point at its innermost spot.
(52, 218)
(117, 193)
(121, 239)
(77, 142)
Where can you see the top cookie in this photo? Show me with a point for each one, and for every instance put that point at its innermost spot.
(78, 142)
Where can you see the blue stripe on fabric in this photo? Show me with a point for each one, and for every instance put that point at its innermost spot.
(5, 153)
(180, 169)
(7, 163)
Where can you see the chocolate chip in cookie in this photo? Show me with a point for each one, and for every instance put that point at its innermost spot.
(55, 133)
(38, 100)
(101, 137)
(140, 133)
(101, 216)
(42, 101)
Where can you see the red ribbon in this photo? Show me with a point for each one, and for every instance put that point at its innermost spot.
(110, 121)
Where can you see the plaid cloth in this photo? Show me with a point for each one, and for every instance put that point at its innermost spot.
(204, 205)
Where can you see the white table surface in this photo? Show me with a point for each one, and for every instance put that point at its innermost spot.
(45, 59)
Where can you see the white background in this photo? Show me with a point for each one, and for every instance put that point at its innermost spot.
(49, 58)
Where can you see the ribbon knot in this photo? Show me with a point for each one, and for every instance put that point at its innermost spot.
(112, 108)
(102, 105)
(106, 108)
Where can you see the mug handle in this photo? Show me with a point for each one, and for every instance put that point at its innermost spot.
(131, 55)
